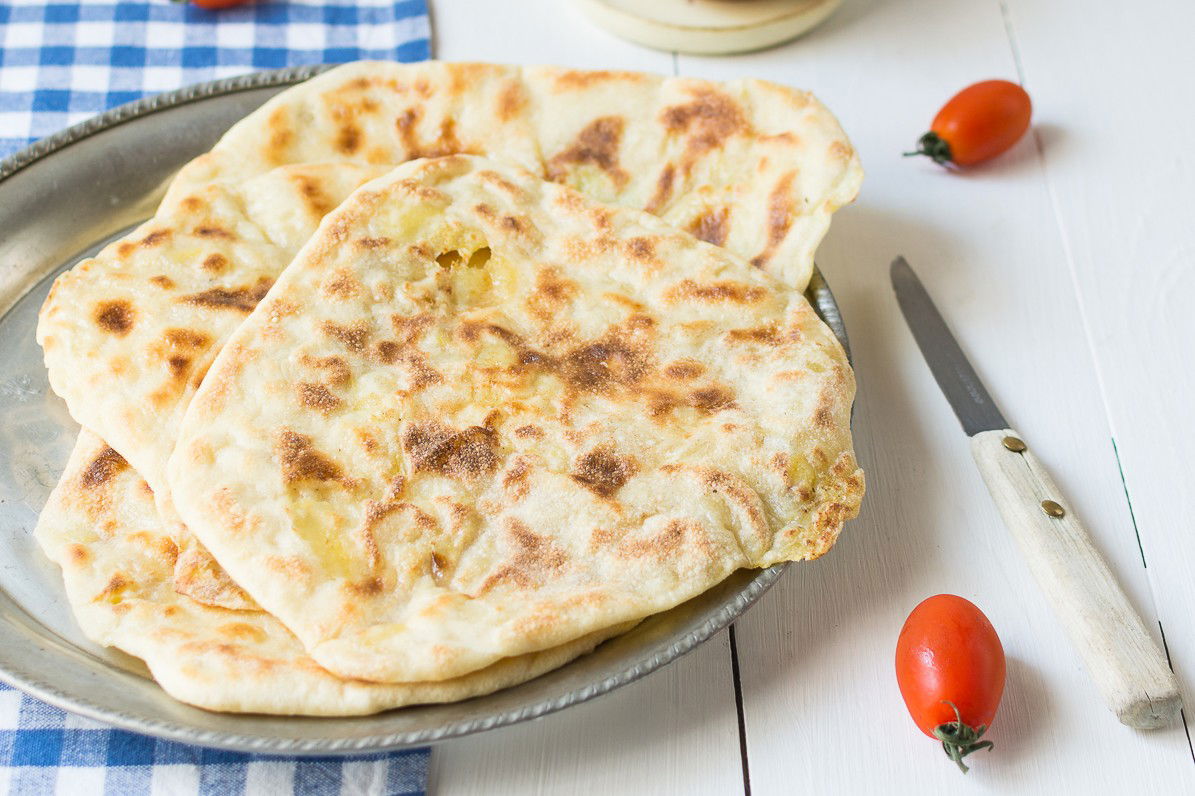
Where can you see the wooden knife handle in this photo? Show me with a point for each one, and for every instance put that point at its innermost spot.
(1121, 657)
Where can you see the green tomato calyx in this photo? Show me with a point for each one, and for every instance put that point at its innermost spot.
(958, 739)
(934, 147)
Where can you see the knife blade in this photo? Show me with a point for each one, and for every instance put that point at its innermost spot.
(1125, 663)
(967, 396)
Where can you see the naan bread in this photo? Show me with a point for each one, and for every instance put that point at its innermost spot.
(480, 416)
(117, 559)
(129, 334)
(749, 165)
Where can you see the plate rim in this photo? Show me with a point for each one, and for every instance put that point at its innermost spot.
(818, 293)
(113, 117)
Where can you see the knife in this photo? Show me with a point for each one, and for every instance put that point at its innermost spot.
(1125, 663)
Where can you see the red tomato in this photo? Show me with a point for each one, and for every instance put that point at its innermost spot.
(212, 5)
(950, 669)
(978, 123)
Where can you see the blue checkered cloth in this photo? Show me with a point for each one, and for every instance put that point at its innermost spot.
(61, 62)
(46, 751)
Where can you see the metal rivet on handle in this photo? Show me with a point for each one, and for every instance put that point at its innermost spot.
(1052, 509)
(1014, 444)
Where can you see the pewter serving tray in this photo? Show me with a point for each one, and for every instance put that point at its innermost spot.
(60, 200)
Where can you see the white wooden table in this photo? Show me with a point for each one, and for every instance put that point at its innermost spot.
(1067, 269)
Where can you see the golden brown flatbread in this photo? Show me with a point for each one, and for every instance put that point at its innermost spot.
(480, 415)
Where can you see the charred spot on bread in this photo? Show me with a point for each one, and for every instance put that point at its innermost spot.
(116, 316)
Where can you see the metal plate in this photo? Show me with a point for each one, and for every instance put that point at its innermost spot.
(59, 201)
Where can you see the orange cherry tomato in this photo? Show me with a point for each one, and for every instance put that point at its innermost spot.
(950, 669)
(977, 124)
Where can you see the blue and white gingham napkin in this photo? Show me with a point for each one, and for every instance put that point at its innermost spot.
(62, 61)
(46, 751)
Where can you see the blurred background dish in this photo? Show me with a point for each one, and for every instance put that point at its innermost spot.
(708, 27)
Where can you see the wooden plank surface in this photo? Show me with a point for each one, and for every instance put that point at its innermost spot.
(988, 247)
(1040, 261)
(1121, 175)
(675, 731)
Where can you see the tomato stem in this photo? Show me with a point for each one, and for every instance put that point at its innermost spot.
(934, 147)
(958, 739)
